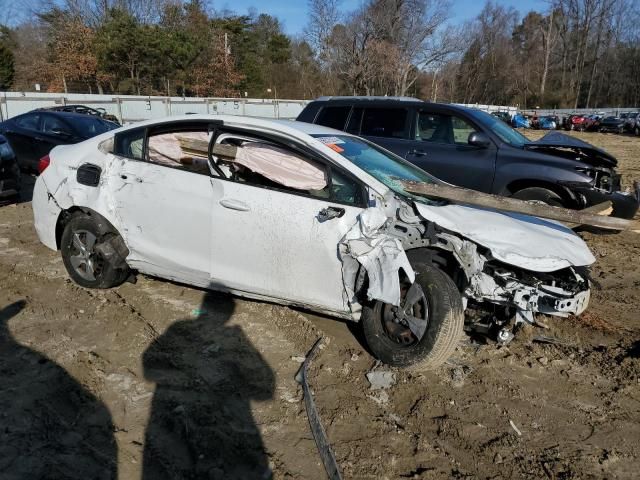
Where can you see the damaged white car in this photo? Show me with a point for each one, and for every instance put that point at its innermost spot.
(304, 215)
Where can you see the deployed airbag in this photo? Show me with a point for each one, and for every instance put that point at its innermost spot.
(281, 166)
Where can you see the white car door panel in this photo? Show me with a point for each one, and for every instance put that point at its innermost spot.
(166, 214)
(272, 243)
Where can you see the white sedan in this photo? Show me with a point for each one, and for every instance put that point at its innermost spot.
(303, 215)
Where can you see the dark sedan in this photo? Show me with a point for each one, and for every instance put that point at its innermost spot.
(612, 124)
(473, 149)
(33, 134)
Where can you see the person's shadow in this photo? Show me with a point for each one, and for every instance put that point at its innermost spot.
(50, 426)
(206, 374)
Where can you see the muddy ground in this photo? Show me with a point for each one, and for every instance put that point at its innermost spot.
(147, 380)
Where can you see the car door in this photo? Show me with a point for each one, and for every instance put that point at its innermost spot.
(274, 242)
(440, 147)
(22, 132)
(385, 126)
(163, 206)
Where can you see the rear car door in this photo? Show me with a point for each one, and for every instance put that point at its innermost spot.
(440, 147)
(385, 126)
(273, 241)
(163, 202)
(22, 133)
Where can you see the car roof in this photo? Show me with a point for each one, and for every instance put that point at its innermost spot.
(239, 120)
(67, 115)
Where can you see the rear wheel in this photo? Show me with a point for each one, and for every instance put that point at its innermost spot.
(424, 330)
(82, 259)
(539, 195)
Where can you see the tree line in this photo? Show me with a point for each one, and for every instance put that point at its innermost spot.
(576, 53)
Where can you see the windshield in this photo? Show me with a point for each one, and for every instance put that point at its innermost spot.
(88, 126)
(501, 129)
(384, 166)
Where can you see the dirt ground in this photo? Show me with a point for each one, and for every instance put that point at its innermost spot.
(158, 380)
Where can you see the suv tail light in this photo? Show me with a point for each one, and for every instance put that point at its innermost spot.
(43, 163)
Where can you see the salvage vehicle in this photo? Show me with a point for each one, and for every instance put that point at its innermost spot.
(520, 121)
(472, 149)
(576, 122)
(630, 122)
(547, 122)
(9, 173)
(504, 116)
(32, 135)
(612, 124)
(303, 215)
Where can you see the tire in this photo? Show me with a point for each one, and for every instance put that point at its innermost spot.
(539, 194)
(87, 267)
(637, 131)
(445, 322)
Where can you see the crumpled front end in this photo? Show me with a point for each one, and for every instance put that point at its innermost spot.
(524, 293)
(501, 273)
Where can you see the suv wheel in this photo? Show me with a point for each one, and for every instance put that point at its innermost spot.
(539, 195)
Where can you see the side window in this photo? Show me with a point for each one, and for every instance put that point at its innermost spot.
(345, 190)
(130, 144)
(29, 121)
(461, 130)
(355, 120)
(384, 122)
(333, 117)
(267, 165)
(433, 127)
(51, 123)
(183, 149)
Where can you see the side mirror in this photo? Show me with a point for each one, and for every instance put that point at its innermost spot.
(478, 139)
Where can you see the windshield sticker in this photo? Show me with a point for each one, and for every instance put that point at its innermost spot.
(330, 140)
(335, 147)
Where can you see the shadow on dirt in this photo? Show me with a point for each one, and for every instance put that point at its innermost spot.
(51, 427)
(634, 350)
(206, 374)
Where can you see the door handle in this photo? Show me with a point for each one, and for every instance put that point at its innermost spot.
(418, 153)
(235, 205)
(329, 213)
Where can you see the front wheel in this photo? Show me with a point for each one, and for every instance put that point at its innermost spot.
(424, 331)
(83, 260)
(539, 195)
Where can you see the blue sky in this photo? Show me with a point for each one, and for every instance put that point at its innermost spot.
(293, 13)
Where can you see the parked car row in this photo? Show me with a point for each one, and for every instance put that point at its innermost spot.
(596, 122)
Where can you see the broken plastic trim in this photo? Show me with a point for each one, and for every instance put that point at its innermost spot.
(319, 435)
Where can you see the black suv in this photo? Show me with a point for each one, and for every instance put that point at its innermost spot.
(473, 149)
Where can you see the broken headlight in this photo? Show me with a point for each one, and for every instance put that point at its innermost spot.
(602, 179)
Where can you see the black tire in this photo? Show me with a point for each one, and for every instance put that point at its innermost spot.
(97, 271)
(445, 322)
(539, 194)
(637, 131)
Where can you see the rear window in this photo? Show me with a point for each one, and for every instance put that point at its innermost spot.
(333, 117)
(384, 122)
(88, 126)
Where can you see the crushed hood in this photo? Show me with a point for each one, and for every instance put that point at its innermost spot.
(590, 153)
(527, 242)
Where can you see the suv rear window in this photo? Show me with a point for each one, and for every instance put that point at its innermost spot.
(384, 122)
(333, 117)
